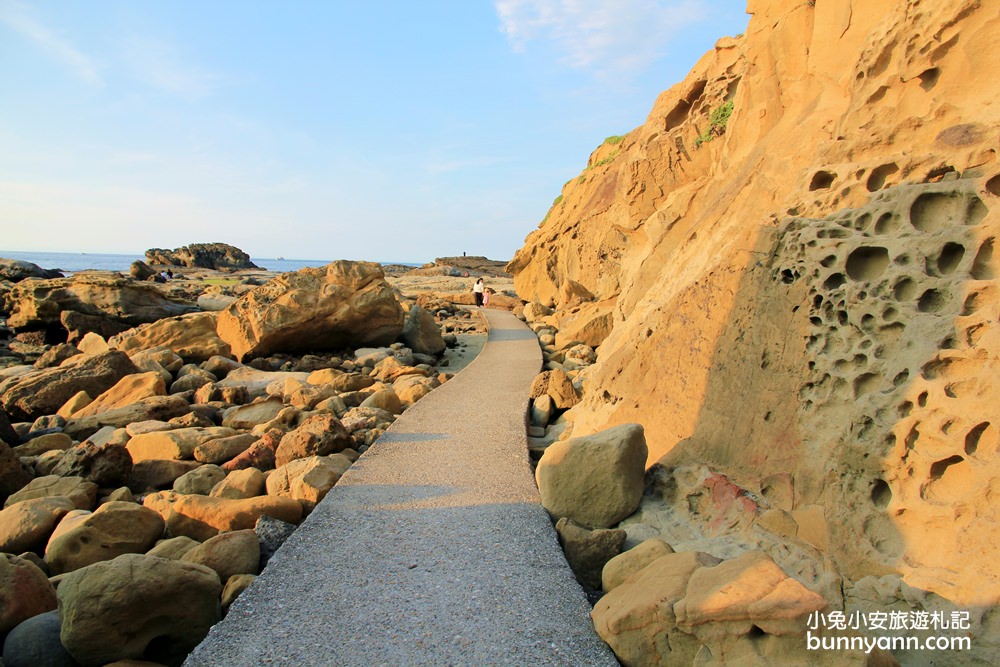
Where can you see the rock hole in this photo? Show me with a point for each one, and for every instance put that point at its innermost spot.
(911, 437)
(950, 257)
(929, 78)
(933, 211)
(867, 321)
(904, 290)
(972, 304)
(833, 234)
(817, 301)
(876, 181)
(834, 281)
(861, 223)
(945, 427)
(902, 260)
(947, 343)
(922, 399)
(878, 95)
(889, 313)
(677, 115)
(939, 468)
(822, 180)
(993, 186)
(905, 408)
(977, 211)
(767, 416)
(886, 223)
(866, 383)
(867, 262)
(982, 265)
(816, 321)
(930, 301)
(828, 261)
(974, 436)
(788, 276)
(938, 174)
(755, 633)
(900, 379)
(842, 317)
(881, 494)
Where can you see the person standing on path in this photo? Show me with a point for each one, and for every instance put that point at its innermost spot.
(477, 291)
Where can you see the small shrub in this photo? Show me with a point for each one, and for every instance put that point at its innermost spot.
(615, 139)
(608, 160)
(557, 200)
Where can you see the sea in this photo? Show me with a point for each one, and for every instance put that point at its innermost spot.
(73, 262)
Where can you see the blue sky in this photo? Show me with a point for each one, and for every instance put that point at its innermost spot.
(389, 131)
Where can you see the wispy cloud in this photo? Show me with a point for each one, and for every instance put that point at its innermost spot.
(58, 46)
(160, 64)
(607, 37)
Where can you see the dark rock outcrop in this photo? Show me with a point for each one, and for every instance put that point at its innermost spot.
(219, 256)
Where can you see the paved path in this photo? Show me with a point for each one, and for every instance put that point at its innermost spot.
(432, 550)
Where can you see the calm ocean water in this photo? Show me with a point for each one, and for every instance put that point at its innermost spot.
(72, 262)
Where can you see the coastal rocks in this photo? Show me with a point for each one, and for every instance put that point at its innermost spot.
(137, 607)
(218, 256)
(35, 643)
(587, 551)
(422, 333)
(344, 304)
(115, 528)
(229, 554)
(25, 591)
(12, 475)
(147, 409)
(558, 386)
(307, 480)
(27, 525)
(193, 337)
(624, 565)
(16, 270)
(82, 493)
(596, 480)
(318, 435)
(38, 303)
(203, 517)
(106, 465)
(178, 444)
(44, 392)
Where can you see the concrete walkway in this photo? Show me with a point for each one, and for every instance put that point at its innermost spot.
(432, 550)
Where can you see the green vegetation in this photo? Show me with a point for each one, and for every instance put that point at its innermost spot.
(582, 178)
(608, 160)
(221, 281)
(614, 139)
(557, 200)
(717, 122)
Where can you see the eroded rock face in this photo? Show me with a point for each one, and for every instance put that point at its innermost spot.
(345, 304)
(16, 270)
(191, 336)
(804, 306)
(218, 256)
(39, 303)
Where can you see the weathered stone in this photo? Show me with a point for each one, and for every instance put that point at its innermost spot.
(252, 383)
(35, 643)
(199, 481)
(202, 517)
(319, 435)
(260, 455)
(16, 270)
(624, 565)
(49, 442)
(245, 483)
(384, 400)
(55, 355)
(342, 304)
(111, 530)
(558, 386)
(422, 333)
(158, 473)
(162, 502)
(307, 480)
(82, 493)
(130, 389)
(217, 256)
(220, 366)
(137, 606)
(105, 465)
(252, 414)
(173, 548)
(271, 533)
(154, 408)
(235, 585)
(229, 554)
(27, 525)
(587, 551)
(175, 444)
(221, 450)
(192, 337)
(596, 480)
(542, 408)
(25, 591)
(44, 392)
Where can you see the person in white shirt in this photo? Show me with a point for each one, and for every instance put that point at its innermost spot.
(477, 291)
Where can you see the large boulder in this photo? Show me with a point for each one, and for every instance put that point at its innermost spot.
(26, 526)
(130, 389)
(137, 607)
(236, 552)
(218, 256)
(192, 336)
(153, 408)
(318, 435)
(39, 303)
(44, 392)
(16, 270)
(587, 551)
(203, 517)
(558, 386)
(308, 480)
(176, 444)
(422, 333)
(106, 465)
(81, 492)
(595, 480)
(13, 476)
(35, 643)
(114, 528)
(25, 591)
(341, 305)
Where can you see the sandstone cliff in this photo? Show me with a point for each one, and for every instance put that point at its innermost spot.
(792, 265)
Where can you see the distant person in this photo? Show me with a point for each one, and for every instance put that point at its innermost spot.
(477, 291)
(486, 296)
(165, 275)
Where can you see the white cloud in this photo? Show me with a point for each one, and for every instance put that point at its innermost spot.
(606, 37)
(159, 64)
(59, 47)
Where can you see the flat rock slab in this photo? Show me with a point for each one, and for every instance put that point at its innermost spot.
(433, 549)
